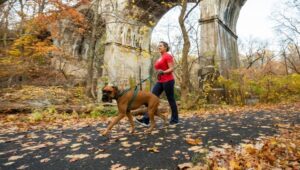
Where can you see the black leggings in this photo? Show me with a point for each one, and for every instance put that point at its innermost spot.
(168, 88)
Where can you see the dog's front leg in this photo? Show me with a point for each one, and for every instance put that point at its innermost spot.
(130, 118)
(116, 120)
(152, 123)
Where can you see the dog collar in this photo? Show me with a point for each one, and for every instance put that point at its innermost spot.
(122, 93)
(135, 92)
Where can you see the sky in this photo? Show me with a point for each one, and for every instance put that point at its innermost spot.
(254, 21)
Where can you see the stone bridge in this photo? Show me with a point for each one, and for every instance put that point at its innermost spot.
(129, 25)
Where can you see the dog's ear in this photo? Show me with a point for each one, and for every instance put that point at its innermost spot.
(115, 88)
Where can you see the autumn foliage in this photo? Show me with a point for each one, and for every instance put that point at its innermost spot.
(271, 153)
(246, 84)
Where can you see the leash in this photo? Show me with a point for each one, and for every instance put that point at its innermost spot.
(135, 92)
(135, 87)
(149, 77)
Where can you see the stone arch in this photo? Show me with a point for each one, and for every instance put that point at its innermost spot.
(218, 20)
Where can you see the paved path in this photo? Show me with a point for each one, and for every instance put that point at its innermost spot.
(51, 149)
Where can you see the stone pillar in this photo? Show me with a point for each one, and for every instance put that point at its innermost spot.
(218, 33)
(126, 47)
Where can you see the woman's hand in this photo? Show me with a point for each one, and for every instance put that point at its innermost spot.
(160, 72)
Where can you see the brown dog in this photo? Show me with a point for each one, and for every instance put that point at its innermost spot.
(142, 98)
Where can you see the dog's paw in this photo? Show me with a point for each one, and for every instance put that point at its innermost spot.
(148, 131)
(132, 131)
(104, 133)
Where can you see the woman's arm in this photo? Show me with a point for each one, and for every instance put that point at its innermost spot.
(170, 69)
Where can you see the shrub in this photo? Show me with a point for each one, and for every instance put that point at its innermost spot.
(267, 88)
(103, 111)
(36, 116)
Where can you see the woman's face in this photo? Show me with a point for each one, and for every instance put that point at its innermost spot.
(161, 48)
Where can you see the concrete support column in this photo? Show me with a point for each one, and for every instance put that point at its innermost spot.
(218, 36)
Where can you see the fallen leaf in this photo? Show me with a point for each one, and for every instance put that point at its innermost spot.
(13, 158)
(100, 156)
(32, 136)
(193, 141)
(174, 157)
(235, 134)
(118, 167)
(122, 139)
(128, 154)
(196, 149)
(64, 141)
(100, 150)
(49, 136)
(158, 144)
(75, 145)
(177, 152)
(249, 148)
(37, 156)
(226, 146)
(126, 144)
(45, 160)
(153, 149)
(136, 143)
(75, 149)
(33, 148)
(23, 167)
(185, 165)
(234, 165)
(8, 163)
(76, 157)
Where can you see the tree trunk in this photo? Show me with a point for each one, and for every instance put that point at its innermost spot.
(22, 16)
(41, 6)
(185, 77)
(285, 62)
(5, 23)
(297, 50)
(91, 55)
(5, 29)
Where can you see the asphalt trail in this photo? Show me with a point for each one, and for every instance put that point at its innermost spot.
(48, 149)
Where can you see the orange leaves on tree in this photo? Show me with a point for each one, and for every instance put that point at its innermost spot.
(35, 43)
(64, 11)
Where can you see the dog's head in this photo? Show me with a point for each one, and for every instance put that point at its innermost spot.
(109, 93)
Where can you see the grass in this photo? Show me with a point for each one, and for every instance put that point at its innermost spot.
(36, 116)
(199, 157)
(103, 111)
(51, 114)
